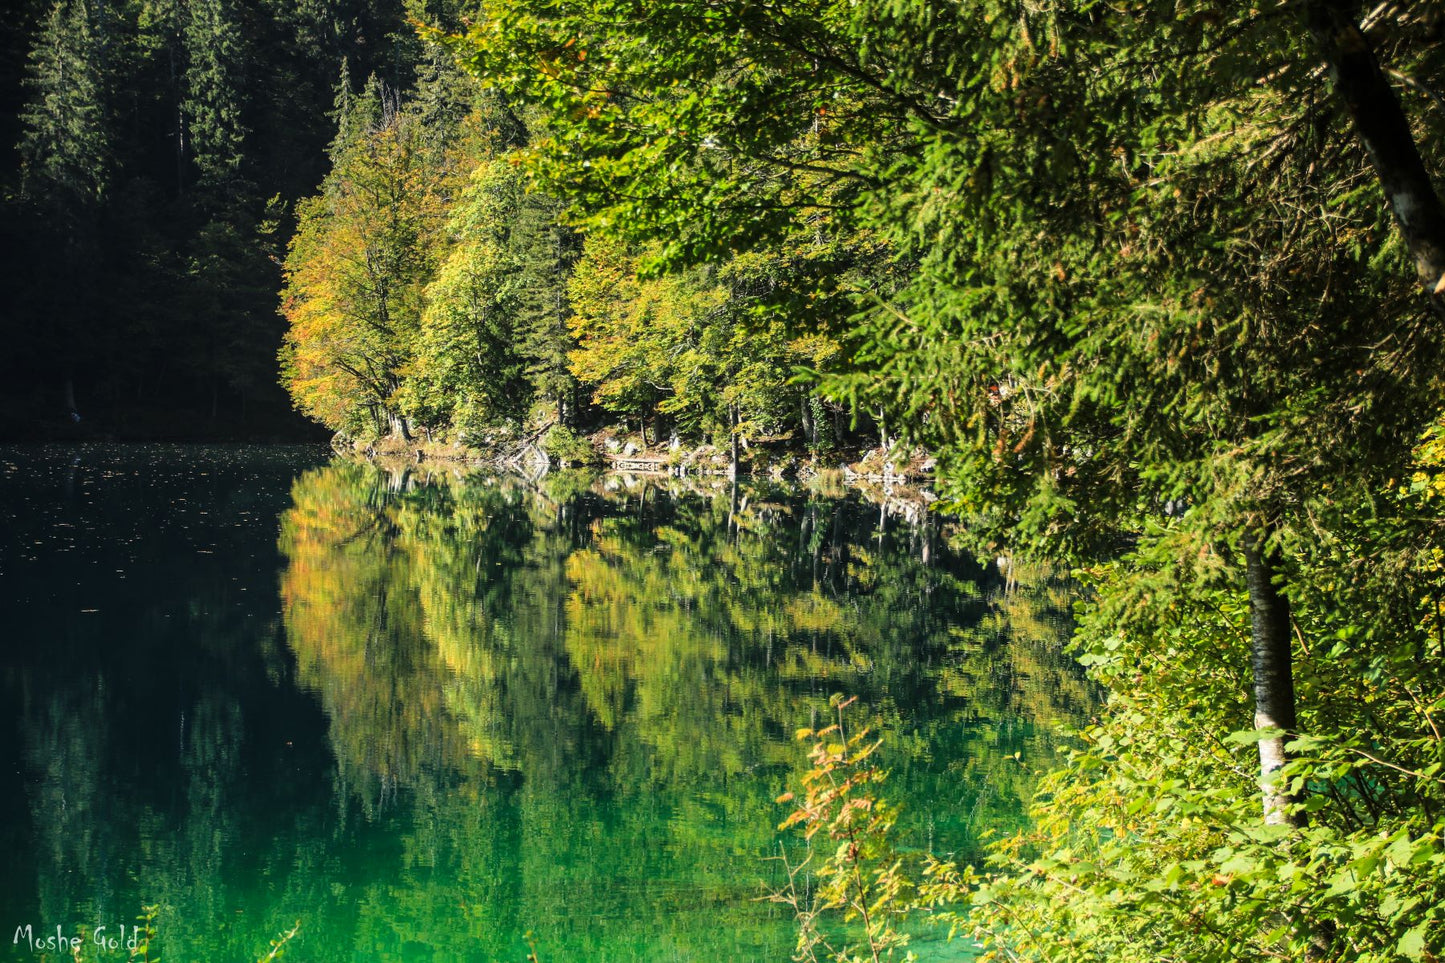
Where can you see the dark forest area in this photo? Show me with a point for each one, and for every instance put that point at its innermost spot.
(152, 155)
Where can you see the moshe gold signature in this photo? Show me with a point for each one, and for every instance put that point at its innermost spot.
(125, 938)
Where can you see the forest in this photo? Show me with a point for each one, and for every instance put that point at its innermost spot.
(151, 157)
(178, 171)
(1160, 285)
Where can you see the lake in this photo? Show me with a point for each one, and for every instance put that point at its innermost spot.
(426, 715)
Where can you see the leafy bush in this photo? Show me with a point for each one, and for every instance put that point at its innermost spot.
(1150, 845)
(568, 448)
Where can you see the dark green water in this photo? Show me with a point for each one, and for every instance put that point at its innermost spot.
(424, 716)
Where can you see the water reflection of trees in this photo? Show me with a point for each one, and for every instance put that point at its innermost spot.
(565, 708)
(659, 646)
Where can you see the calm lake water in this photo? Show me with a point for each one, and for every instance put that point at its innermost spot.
(426, 715)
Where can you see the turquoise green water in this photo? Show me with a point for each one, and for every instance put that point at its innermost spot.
(426, 715)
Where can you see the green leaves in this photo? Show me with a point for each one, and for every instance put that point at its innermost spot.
(1150, 846)
(1132, 293)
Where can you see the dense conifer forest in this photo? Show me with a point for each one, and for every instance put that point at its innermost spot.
(153, 155)
(178, 172)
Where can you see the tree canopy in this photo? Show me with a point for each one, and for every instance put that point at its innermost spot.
(1159, 285)
(1168, 278)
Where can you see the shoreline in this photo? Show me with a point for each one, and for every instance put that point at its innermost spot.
(902, 487)
(620, 454)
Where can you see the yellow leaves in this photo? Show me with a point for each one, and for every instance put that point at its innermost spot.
(364, 250)
(815, 612)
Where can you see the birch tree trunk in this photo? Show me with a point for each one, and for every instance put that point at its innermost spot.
(1272, 663)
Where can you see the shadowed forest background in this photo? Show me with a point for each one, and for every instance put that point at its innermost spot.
(151, 155)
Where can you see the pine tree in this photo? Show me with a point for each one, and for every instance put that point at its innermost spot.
(67, 157)
(215, 99)
(67, 143)
(549, 250)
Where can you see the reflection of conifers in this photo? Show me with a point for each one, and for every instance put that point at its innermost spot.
(65, 743)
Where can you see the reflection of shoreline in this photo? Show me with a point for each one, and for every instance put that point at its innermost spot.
(776, 462)
(895, 497)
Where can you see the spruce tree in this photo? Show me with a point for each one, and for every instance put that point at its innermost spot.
(66, 147)
(215, 98)
(67, 157)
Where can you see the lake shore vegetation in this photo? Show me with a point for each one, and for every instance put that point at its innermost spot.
(1160, 284)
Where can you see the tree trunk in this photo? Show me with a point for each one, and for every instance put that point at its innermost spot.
(733, 466)
(1382, 127)
(398, 426)
(1274, 703)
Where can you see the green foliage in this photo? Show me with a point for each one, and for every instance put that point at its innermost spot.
(568, 448)
(469, 371)
(67, 145)
(496, 319)
(1148, 846)
(217, 55)
(695, 351)
(1146, 275)
(548, 248)
(645, 343)
(138, 214)
(1123, 268)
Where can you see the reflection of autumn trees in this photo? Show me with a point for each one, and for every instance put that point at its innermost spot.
(567, 710)
(588, 696)
(637, 639)
(355, 621)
